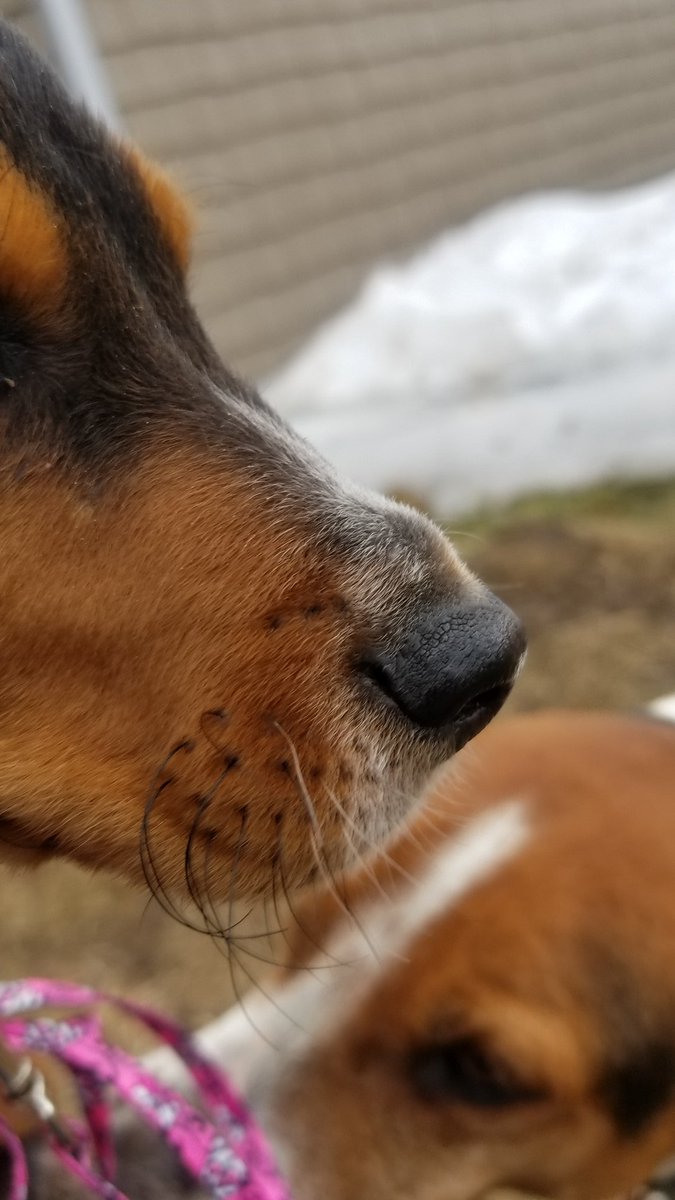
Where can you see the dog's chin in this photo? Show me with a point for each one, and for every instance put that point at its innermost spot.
(380, 815)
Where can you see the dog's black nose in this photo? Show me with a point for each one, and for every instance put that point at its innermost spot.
(454, 667)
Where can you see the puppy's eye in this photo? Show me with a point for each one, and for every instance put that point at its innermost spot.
(466, 1073)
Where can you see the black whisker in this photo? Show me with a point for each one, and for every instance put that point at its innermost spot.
(159, 892)
(200, 895)
(149, 867)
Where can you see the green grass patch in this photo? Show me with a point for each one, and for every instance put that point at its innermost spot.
(642, 501)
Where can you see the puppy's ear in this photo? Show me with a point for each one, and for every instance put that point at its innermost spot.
(544, 1051)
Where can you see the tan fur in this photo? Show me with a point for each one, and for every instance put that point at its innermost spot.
(171, 207)
(152, 612)
(33, 258)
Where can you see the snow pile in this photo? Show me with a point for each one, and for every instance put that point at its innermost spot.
(534, 347)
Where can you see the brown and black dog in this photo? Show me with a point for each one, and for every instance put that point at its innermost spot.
(215, 656)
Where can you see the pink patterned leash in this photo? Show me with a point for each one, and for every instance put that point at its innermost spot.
(223, 1149)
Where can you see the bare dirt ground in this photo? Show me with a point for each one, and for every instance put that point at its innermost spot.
(593, 576)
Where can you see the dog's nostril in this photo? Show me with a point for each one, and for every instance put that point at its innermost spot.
(453, 669)
(380, 677)
(489, 701)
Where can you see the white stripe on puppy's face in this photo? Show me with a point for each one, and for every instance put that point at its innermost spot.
(663, 708)
(478, 851)
(256, 1043)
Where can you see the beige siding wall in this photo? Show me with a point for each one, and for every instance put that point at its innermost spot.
(317, 136)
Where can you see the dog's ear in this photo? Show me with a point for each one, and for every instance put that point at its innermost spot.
(90, 231)
(34, 261)
(171, 210)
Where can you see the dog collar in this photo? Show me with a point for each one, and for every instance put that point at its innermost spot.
(219, 1145)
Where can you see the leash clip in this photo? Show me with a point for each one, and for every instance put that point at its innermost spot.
(27, 1085)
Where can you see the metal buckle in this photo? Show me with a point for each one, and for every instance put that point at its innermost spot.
(27, 1086)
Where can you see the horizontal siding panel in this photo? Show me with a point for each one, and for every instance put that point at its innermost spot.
(488, 116)
(234, 113)
(124, 23)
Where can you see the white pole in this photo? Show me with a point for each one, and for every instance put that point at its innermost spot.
(77, 57)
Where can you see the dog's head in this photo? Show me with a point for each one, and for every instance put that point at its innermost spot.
(206, 636)
(517, 1027)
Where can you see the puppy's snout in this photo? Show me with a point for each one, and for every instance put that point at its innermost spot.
(453, 667)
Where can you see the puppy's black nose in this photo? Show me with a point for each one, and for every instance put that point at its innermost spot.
(454, 666)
